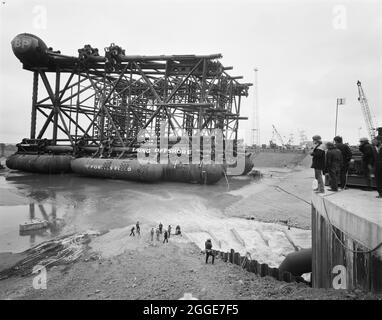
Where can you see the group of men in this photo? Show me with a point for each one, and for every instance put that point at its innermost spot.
(166, 233)
(333, 158)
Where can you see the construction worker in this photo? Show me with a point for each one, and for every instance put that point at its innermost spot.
(333, 165)
(152, 234)
(160, 227)
(138, 228)
(132, 232)
(318, 162)
(346, 157)
(165, 236)
(377, 149)
(367, 160)
(208, 246)
(169, 230)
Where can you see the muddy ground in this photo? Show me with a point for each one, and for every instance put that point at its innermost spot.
(160, 271)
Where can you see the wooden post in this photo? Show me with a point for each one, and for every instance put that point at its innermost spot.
(264, 269)
(236, 258)
(231, 255)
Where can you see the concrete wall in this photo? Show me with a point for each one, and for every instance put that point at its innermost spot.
(342, 238)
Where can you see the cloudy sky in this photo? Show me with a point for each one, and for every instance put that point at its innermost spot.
(308, 53)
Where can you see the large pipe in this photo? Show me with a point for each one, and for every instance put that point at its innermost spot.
(298, 263)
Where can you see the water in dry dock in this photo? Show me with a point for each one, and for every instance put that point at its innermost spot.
(73, 203)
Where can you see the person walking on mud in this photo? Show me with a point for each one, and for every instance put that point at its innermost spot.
(160, 227)
(152, 234)
(318, 162)
(169, 230)
(132, 232)
(138, 229)
(165, 236)
(208, 246)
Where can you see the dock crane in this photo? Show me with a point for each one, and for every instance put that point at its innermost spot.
(366, 111)
(278, 135)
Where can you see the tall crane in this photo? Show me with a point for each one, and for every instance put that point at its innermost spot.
(366, 111)
(278, 135)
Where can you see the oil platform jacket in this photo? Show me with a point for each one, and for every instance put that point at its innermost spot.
(333, 159)
(367, 154)
(318, 160)
(346, 152)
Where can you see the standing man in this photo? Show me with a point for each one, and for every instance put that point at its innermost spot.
(333, 165)
(160, 227)
(377, 148)
(169, 230)
(318, 162)
(346, 157)
(152, 234)
(138, 228)
(165, 236)
(367, 160)
(208, 246)
(157, 233)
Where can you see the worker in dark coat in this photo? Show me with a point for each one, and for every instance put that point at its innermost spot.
(318, 162)
(377, 150)
(333, 165)
(208, 246)
(367, 160)
(346, 157)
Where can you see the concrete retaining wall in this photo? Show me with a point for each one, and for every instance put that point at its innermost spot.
(341, 240)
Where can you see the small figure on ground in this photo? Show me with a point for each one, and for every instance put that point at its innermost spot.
(165, 236)
(377, 145)
(169, 230)
(367, 160)
(160, 227)
(157, 233)
(346, 157)
(177, 230)
(152, 234)
(132, 232)
(318, 162)
(138, 228)
(208, 246)
(333, 165)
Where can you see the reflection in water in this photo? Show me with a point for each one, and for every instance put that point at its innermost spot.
(74, 204)
(54, 224)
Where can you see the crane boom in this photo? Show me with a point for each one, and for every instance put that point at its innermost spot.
(278, 135)
(366, 111)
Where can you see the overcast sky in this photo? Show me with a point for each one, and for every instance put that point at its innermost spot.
(308, 53)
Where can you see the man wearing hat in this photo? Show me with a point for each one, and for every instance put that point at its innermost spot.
(367, 160)
(318, 162)
(333, 165)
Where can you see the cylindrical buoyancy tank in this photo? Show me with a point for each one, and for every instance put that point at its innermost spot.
(132, 169)
(127, 169)
(193, 173)
(30, 49)
(298, 263)
(39, 163)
